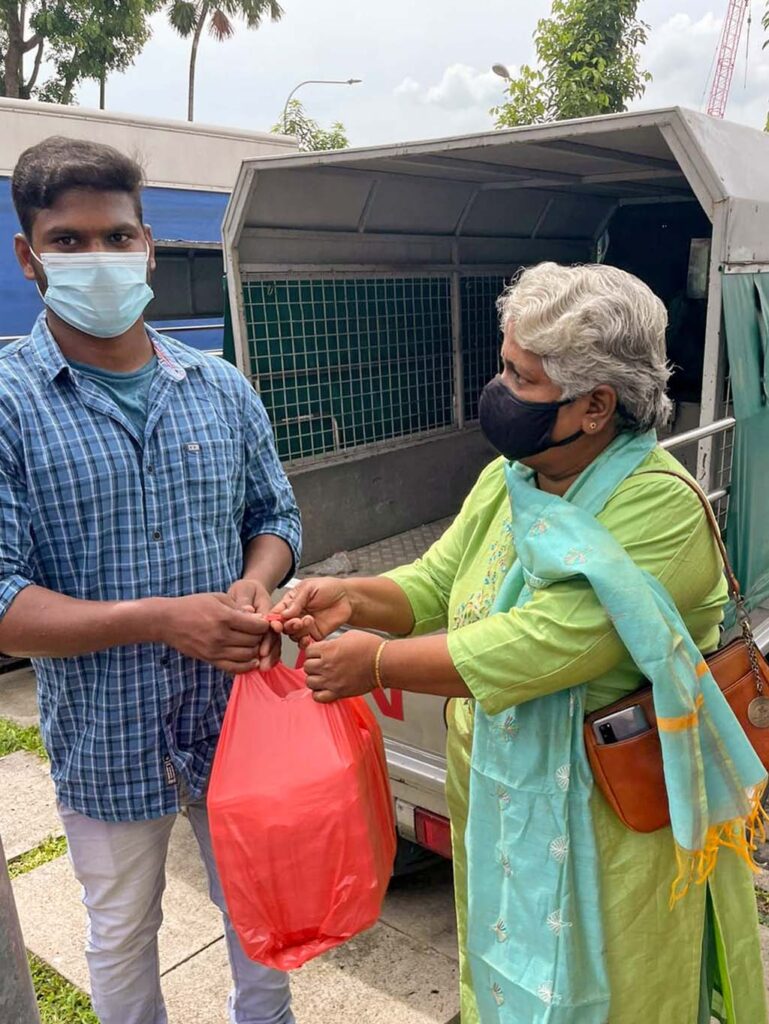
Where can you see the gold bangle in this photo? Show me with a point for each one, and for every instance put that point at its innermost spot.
(378, 664)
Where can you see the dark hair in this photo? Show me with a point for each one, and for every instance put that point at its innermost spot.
(56, 165)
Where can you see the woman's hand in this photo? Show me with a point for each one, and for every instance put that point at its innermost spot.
(342, 667)
(313, 610)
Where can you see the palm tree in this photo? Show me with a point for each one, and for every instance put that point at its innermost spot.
(189, 18)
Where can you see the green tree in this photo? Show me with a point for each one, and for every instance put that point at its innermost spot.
(81, 40)
(17, 38)
(90, 40)
(309, 133)
(587, 63)
(190, 17)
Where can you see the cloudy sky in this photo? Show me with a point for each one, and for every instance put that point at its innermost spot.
(424, 64)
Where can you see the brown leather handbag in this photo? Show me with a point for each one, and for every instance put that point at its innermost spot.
(629, 772)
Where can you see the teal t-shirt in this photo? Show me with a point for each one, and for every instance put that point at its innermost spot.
(129, 391)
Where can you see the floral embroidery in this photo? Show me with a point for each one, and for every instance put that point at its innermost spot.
(538, 527)
(546, 994)
(503, 796)
(500, 930)
(496, 565)
(559, 849)
(507, 866)
(562, 777)
(575, 557)
(476, 607)
(556, 923)
(509, 728)
(479, 604)
(498, 994)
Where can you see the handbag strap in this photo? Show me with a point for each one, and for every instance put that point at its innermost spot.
(735, 591)
(734, 586)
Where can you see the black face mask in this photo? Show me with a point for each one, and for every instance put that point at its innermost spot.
(516, 428)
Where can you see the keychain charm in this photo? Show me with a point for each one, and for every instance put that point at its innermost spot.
(758, 712)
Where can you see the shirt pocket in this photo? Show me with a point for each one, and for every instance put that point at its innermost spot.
(209, 472)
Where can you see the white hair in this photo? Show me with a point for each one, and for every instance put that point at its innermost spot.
(594, 325)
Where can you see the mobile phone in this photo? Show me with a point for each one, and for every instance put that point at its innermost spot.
(622, 725)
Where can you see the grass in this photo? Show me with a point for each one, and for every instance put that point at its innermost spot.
(19, 737)
(59, 1002)
(762, 899)
(49, 849)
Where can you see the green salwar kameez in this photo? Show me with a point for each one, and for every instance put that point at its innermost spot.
(665, 966)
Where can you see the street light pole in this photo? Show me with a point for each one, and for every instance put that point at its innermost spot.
(317, 81)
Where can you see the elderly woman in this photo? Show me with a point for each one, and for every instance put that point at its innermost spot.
(546, 585)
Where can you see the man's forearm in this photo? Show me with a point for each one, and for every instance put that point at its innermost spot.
(43, 624)
(267, 560)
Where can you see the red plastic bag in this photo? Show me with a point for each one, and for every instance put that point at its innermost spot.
(301, 818)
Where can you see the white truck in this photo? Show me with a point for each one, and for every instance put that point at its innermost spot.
(362, 287)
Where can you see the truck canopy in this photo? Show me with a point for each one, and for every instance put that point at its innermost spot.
(363, 285)
(525, 193)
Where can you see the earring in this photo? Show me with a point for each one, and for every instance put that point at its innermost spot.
(593, 426)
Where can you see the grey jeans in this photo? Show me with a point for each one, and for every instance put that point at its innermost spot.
(121, 867)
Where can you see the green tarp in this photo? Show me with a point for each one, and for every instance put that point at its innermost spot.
(746, 318)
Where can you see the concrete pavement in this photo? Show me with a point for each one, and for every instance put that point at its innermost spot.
(403, 971)
(27, 804)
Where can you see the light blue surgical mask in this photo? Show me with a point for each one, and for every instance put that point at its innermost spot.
(99, 293)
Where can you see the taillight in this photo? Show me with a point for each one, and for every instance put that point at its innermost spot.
(433, 832)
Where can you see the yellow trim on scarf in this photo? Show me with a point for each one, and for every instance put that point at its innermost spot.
(741, 835)
(682, 721)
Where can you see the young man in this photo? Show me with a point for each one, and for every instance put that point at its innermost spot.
(144, 522)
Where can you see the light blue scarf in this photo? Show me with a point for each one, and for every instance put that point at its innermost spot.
(535, 937)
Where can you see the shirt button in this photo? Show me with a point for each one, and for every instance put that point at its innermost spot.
(150, 468)
(165, 660)
(156, 535)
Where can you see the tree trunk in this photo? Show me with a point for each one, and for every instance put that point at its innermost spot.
(14, 54)
(102, 90)
(193, 58)
(29, 86)
(69, 87)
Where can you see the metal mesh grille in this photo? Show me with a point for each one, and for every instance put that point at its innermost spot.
(341, 363)
(481, 339)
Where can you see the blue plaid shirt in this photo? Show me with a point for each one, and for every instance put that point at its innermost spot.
(90, 509)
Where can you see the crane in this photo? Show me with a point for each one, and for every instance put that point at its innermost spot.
(727, 56)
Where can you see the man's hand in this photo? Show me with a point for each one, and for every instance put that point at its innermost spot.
(342, 667)
(214, 628)
(253, 596)
(313, 610)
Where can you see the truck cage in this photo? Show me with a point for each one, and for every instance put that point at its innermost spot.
(362, 287)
